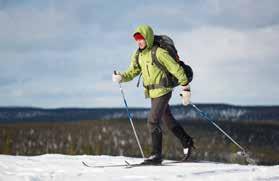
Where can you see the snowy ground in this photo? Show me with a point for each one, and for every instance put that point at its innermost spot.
(64, 167)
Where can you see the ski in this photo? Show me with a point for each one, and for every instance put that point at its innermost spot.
(131, 165)
(102, 166)
(166, 163)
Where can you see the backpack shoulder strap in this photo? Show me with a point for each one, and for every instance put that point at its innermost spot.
(156, 61)
(137, 57)
(137, 63)
(169, 82)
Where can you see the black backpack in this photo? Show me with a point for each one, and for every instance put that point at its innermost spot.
(167, 43)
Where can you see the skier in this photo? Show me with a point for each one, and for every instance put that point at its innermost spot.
(154, 88)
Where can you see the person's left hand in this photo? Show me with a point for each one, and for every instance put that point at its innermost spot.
(185, 94)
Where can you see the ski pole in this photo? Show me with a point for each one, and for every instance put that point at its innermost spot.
(130, 118)
(243, 152)
(218, 127)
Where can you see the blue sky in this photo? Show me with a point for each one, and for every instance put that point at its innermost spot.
(62, 53)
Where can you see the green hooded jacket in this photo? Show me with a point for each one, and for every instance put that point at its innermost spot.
(151, 74)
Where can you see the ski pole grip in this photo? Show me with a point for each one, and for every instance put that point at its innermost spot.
(114, 72)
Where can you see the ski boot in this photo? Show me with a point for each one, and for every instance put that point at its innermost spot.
(156, 154)
(187, 149)
(186, 141)
(155, 159)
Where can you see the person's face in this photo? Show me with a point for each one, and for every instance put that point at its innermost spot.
(141, 43)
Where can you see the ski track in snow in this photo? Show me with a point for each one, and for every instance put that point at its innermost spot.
(55, 167)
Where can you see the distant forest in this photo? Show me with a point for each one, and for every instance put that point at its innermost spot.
(115, 137)
(217, 112)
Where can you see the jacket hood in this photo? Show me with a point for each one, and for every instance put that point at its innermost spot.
(147, 32)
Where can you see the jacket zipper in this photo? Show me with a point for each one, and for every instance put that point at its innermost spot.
(147, 70)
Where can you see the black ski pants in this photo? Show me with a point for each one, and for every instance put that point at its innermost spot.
(160, 110)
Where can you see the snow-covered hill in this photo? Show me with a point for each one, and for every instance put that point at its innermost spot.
(65, 167)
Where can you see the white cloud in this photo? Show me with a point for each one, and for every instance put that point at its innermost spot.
(63, 53)
(225, 60)
(219, 44)
(242, 14)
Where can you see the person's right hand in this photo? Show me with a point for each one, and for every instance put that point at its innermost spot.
(116, 77)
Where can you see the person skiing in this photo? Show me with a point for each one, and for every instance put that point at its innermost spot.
(155, 88)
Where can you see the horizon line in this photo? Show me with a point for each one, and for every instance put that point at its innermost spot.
(133, 107)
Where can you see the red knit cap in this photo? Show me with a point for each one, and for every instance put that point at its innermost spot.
(138, 36)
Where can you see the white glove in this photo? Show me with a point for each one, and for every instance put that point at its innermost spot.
(185, 94)
(116, 77)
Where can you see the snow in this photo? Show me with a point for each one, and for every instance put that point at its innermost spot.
(66, 167)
